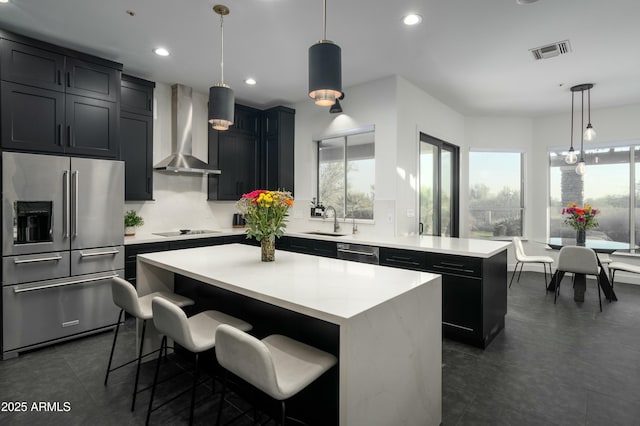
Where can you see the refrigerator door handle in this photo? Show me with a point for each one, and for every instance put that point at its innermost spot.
(65, 205)
(74, 178)
(102, 253)
(19, 289)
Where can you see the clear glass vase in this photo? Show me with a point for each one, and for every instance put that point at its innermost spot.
(268, 248)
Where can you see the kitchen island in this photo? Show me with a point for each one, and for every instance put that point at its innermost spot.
(383, 324)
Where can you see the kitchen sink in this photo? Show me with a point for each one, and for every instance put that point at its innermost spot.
(326, 234)
(185, 232)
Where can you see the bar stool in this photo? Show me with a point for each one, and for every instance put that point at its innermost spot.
(277, 365)
(196, 334)
(126, 298)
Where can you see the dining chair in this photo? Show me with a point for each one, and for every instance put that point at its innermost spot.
(579, 260)
(522, 258)
(621, 266)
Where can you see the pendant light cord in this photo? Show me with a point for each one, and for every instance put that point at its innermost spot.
(582, 133)
(572, 97)
(324, 21)
(222, 49)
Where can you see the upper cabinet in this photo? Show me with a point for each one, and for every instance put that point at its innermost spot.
(256, 152)
(136, 137)
(73, 98)
(278, 148)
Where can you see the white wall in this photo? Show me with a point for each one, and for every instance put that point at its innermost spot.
(373, 103)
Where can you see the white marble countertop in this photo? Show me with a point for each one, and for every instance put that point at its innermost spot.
(329, 289)
(456, 246)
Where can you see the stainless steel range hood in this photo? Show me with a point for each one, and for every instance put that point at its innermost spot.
(181, 159)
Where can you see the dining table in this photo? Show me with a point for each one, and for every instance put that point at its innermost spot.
(580, 280)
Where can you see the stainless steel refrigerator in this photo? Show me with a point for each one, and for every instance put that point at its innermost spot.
(62, 241)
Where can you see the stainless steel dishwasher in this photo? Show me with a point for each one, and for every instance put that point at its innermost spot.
(359, 253)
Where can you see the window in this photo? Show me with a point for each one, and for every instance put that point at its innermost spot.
(611, 173)
(495, 194)
(346, 174)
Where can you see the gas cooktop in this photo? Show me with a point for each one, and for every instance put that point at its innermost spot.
(185, 232)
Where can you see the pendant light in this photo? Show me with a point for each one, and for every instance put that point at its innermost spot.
(325, 68)
(589, 133)
(221, 98)
(571, 157)
(581, 168)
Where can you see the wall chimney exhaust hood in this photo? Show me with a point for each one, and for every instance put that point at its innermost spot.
(181, 159)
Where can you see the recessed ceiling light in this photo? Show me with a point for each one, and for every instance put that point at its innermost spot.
(526, 1)
(412, 19)
(250, 81)
(161, 51)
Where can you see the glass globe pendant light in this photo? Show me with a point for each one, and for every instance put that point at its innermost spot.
(221, 97)
(571, 157)
(589, 133)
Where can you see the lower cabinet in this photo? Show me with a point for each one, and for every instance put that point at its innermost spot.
(474, 291)
(308, 246)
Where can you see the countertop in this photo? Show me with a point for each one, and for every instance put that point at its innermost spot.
(328, 289)
(446, 245)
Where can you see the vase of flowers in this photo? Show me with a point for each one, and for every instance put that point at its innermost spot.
(580, 219)
(265, 213)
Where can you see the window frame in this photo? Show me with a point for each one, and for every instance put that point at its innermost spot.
(521, 209)
(345, 135)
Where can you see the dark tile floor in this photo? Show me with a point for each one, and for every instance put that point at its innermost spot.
(564, 364)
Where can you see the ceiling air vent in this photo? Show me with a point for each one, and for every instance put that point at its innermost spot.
(551, 50)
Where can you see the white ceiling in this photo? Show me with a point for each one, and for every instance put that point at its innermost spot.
(473, 55)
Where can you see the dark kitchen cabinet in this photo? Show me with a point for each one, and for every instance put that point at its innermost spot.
(235, 153)
(91, 127)
(73, 98)
(278, 148)
(32, 119)
(308, 246)
(136, 95)
(256, 152)
(474, 291)
(136, 137)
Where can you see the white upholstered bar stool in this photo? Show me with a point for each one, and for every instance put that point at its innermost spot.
(579, 260)
(522, 258)
(277, 365)
(621, 266)
(126, 298)
(196, 334)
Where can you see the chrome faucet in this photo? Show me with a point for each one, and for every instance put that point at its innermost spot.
(336, 225)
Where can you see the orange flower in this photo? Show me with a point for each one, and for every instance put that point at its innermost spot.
(579, 211)
(289, 202)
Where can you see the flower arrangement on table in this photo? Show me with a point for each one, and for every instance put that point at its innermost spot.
(580, 219)
(265, 214)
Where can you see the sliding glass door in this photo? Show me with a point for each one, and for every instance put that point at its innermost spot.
(439, 187)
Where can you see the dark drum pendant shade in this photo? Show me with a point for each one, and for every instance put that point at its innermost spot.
(221, 107)
(325, 72)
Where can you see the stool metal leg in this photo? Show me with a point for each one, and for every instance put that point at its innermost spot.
(599, 296)
(220, 405)
(514, 274)
(193, 390)
(135, 386)
(113, 347)
(163, 344)
(284, 413)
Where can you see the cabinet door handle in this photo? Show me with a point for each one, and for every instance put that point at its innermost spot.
(102, 253)
(149, 105)
(68, 79)
(452, 268)
(58, 78)
(69, 140)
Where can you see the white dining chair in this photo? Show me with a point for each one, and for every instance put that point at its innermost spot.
(579, 260)
(522, 258)
(621, 266)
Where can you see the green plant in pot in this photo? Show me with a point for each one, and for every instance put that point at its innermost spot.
(131, 222)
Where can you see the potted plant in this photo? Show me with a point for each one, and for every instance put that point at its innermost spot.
(131, 222)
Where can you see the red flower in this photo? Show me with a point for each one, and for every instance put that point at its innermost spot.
(254, 194)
